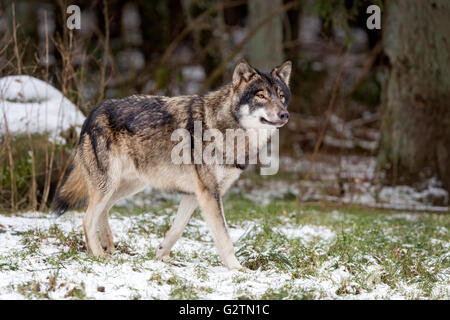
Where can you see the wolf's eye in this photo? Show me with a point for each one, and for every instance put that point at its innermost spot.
(260, 95)
(281, 96)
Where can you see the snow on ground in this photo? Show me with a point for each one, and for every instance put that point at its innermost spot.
(121, 280)
(32, 104)
(133, 272)
(308, 234)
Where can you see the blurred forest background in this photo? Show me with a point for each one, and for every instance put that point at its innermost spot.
(370, 109)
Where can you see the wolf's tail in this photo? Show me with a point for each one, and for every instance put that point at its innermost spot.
(72, 193)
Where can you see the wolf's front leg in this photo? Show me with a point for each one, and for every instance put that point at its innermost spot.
(187, 206)
(211, 206)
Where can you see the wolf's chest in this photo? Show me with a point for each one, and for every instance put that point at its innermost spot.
(225, 176)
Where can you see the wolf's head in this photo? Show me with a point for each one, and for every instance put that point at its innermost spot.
(260, 99)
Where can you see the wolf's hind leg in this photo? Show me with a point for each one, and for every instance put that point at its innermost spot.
(211, 205)
(126, 188)
(106, 237)
(187, 206)
(97, 204)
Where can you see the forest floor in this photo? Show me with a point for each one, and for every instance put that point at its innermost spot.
(290, 251)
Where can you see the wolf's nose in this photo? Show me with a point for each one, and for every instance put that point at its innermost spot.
(283, 115)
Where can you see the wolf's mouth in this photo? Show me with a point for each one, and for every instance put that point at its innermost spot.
(275, 123)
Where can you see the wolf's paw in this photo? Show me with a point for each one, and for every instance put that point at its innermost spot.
(109, 250)
(162, 255)
(96, 250)
(108, 256)
(165, 258)
(239, 268)
(234, 265)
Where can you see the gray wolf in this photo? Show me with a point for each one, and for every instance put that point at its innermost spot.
(125, 146)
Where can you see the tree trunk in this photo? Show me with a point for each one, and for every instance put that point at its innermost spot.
(266, 46)
(415, 141)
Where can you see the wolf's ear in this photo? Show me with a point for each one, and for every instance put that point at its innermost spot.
(242, 72)
(284, 72)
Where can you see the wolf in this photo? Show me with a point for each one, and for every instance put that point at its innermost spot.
(125, 144)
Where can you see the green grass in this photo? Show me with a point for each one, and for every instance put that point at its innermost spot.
(408, 255)
(403, 249)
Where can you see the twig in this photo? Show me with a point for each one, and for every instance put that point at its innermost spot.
(16, 47)
(65, 51)
(10, 158)
(174, 44)
(366, 68)
(46, 77)
(219, 69)
(50, 268)
(105, 53)
(331, 104)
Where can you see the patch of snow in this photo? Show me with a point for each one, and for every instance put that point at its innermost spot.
(308, 233)
(32, 104)
(273, 190)
(111, 274)
(413, 217)
(445, 244)
(136, 274)
(340, 275)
